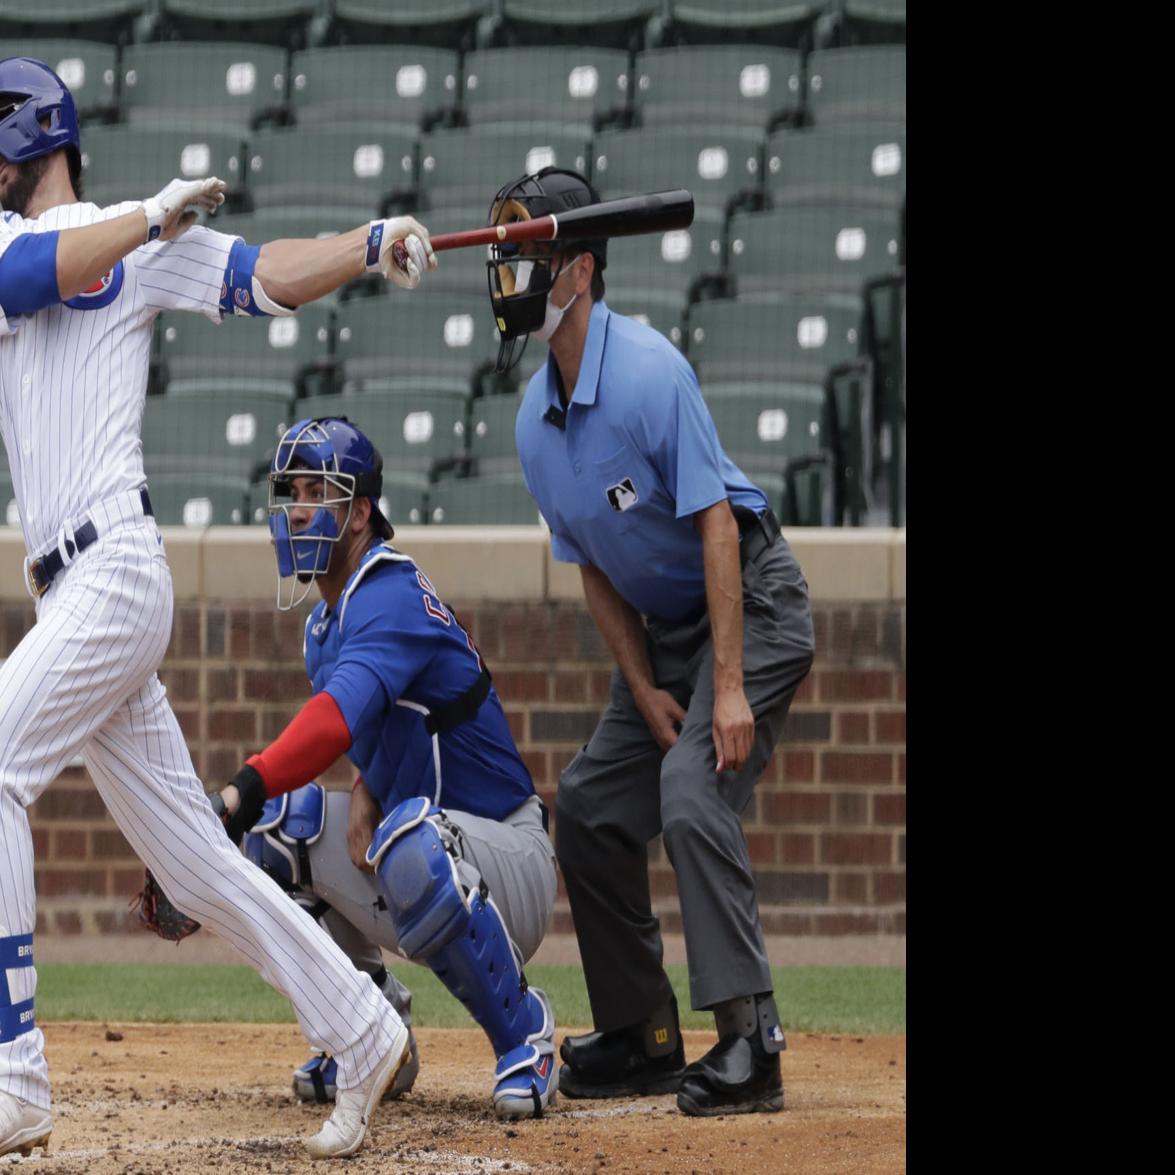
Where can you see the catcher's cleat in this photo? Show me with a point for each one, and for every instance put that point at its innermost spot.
(343, 1132)
(737, 1076)
(23, 1126)
(316, 1081)
(525, 1080)
(637, 1061)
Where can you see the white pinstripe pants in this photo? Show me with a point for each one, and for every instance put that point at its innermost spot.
(83, 680)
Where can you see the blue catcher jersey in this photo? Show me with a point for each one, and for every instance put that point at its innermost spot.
(388, 654)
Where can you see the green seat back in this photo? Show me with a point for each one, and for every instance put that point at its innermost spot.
(195, 499)
(201, 84)
(769, 22)
(714, 163)
(731, 85)
(412, 432)
(764, 428)
(500, 500)
(573, 84)
(405, 342)
(227, 433)
(9, 514)
(857, 84)
(274, 22)
(861, 164)
(88, 68)
(268, 354)
(661, 267)
(664, 317)
(356, 167)
(616, 23)
(794, 336)
(448, 23)
(491, 433)
(466, 167)
(132, 163)
(111, 21)
(811, 247)
(406, 84)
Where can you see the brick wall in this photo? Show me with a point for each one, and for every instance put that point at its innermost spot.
(826, 826)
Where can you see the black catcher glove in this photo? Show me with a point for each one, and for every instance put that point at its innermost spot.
(157, 914)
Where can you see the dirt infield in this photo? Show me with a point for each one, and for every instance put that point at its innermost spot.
(183, 1099)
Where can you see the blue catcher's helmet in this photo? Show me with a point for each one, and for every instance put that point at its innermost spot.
(350, 466)
(29, 92)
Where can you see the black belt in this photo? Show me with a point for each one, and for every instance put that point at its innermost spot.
(42, 570)
(756, 534)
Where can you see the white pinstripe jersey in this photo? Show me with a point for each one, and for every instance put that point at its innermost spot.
(73, 378)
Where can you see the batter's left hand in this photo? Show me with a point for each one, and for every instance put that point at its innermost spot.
(734, 728)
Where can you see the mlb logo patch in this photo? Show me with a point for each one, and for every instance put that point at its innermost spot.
(622, 496)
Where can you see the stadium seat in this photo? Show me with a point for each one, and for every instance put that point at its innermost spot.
(111, 21)
(491, 434)
(616, 23)
(872, 22)
(862, 164)
(410, 85)
(278, 358)
(88, 68)
(132, 163)
(225, 433)
(271, 224)
(415, 434)
(765, 22)
(274, 22)
(706, 85)
(812, 247)
(466, 167)
(857, 85)
(582, 85)
(660, 269)
(774, 434)
(407, 343)
(195, 499)
(366, 168)
(213, 85)
(791, 337)
(451, 24)
(716, 164)
(500, 500)
(461, 271)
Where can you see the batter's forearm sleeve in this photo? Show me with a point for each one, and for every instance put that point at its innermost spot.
(315, 738)
(28, 274)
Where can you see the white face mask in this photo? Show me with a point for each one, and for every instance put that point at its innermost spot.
(554, 314)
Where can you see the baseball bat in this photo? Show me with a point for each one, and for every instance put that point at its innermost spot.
(628, 216)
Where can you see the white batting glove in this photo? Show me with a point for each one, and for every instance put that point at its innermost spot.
(173, 211)
(403, 266)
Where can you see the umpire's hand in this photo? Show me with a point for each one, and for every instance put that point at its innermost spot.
(734, 729)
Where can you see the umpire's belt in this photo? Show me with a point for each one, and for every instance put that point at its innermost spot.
(41, 570)
(756, 534)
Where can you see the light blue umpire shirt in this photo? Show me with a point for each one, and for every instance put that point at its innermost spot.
(619, 477)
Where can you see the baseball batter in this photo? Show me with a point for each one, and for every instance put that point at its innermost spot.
(449, 861)
(79, 289)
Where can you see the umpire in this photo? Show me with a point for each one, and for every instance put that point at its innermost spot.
(706, 612)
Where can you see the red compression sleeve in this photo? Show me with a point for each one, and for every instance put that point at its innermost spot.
(315, 738)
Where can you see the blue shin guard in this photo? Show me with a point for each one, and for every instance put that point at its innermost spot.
(458, 932)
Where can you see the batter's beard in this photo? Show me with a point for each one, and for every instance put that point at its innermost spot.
(16, 197)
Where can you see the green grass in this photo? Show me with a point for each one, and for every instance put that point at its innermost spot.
(864, 1000)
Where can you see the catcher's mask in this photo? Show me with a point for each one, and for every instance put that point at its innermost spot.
(349, 465)
(520, 285)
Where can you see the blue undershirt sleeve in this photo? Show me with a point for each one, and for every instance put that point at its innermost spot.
(28, 274)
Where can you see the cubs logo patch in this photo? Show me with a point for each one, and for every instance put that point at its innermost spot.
(102, 292)
(242, 298)
(622, 496)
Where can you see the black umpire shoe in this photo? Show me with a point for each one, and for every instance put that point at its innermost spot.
(645, 1058)
(739, 1075)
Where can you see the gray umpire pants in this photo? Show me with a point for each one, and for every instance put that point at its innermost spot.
(514, 857)
(620, 790)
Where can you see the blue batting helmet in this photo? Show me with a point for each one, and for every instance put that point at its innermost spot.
(350, 467)
(29, 92)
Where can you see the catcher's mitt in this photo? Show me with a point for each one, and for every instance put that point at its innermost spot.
(157, 914)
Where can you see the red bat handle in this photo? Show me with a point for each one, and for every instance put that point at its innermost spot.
(542, 228)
